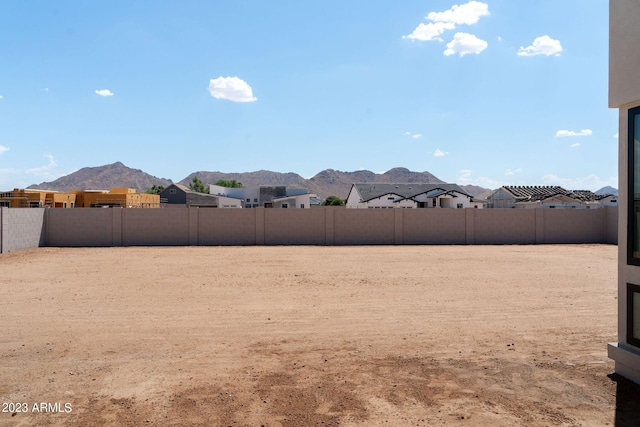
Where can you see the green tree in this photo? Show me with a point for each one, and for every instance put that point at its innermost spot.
(155, 189)
(198, 186)
(229, 183)
(333, 201)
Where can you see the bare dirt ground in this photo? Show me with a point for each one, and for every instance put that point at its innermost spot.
(309, 336)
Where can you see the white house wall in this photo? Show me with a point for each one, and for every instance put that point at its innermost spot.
(501, 198)
(624, 93)
(386, 201)
(301, 201)
(609, 201)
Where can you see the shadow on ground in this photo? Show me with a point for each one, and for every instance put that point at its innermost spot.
(627, 401)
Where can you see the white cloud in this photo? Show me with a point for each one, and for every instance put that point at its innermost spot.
(468, 13)
(1, 96)
(466, 178)
(513, 172)
(465, 43)
(590, 182)
(583, 132)
(46, 170)
(104, 92)
(3, 149)
(413, 135)
(465, 14)
(544, 45)
(231, 88)
(430, 31)
(615, 136)
(20, 178)
(577, 144)
(439, 153)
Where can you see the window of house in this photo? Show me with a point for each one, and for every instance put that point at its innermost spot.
(459, 205)
(248, 200)
(285, 205)
(255, 200)
(302, 206)
(172, 191)
(390, 198)
(633, 314)
(633, 218)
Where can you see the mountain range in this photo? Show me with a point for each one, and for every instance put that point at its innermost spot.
(328, 182)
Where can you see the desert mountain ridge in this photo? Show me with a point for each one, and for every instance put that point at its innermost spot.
(329, 182)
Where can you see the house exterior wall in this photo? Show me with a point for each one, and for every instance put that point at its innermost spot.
(201, 199)
(449, 201)
(500, 199)
(624, 94)
(173, 195)
(624, 56)
(353, 200)
(259, 197)
(386, 201)
(552, 203)
(122, 197)
(397, 201)
(37, 198)
(609, 201)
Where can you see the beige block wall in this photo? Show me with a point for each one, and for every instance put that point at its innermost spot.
(505, 226)
(79, 227)
(574, 225)
(364, 227)
(294, 227)
(434, 226)
(162, 227)
(327, 226)
(21, 229)
(226, 226)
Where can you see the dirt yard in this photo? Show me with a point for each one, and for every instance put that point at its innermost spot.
(310, 336)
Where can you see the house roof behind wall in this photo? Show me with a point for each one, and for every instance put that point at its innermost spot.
(541, 192)
(371, 191)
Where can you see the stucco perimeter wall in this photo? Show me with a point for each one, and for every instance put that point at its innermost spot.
(434, 226)
(326, 226)
(21, 229)
(572, 226)
(83, 227)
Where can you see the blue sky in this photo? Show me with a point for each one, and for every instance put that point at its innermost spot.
(481, 92)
